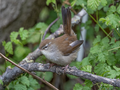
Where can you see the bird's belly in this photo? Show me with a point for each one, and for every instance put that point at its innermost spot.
(58, 58)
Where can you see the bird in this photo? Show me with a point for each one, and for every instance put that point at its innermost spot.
(63, 49)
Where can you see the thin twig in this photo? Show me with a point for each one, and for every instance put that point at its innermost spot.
(47, 83)
(49, 28)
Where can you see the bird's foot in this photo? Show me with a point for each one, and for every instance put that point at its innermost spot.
(65, 68)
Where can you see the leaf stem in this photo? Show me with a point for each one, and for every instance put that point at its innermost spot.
(99, 25)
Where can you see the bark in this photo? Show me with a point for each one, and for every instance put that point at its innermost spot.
(18, 13)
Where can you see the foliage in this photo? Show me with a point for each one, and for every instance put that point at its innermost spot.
(103, 29)
(103, 58)
(24, 83)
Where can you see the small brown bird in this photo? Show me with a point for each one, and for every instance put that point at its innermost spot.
(62, 50)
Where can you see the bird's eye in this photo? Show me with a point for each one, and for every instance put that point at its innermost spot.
(45, 47)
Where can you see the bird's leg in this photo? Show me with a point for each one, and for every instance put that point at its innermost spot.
(51, 64)
(65, 68)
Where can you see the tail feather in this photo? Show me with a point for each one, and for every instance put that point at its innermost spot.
(66, 16)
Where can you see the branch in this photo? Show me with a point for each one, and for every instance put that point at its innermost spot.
(47, 83)
(75, 20)
(11, 74)
(49, 28)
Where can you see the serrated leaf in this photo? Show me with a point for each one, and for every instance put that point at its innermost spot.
(94, 49)
(13, 36)
(113, 20)
(111, 59)
(112, 41)
(111, 10)
(93, 4)
(116, 68)
(104, 2)
(97, 39)
(8, 47)
(23, 33)
(33, 82)
(1, 82)
(87, 68)
(50, 1)
(118, 9)
(17, 42)
(105, 40)
(100, 68)
(24, 80)
(78, 87)
(112, 74)
(117, 55)
(101, 57)
(41, 26)
(20, 87)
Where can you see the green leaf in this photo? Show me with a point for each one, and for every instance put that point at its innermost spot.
(78, 87)
(41, 26)
(24, 80)
(73, 3)
(50, 1)
(118, 9)
(97, 39)
(1, 82)
(8, 47)
(48, 76)
(24, 50)
(81, 2)
(100, 68)
(112, 41)
(111, 59)
(96, 28)
(105, 40)
(112, 73)
(30, 88)
(88, 83)
(13, 36)
(17, 42)
(113, 20)
(87, 68)
(102, 19)
(71, 76)
(111, 10)
(117, 55)
(85, 62)
(101, 57)
(33, 83)
(104, 2)
(95, 49)
(116, 68)
(23, 33)
(93, 4)
(3, 43)
(106, 8)
(20, 87)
